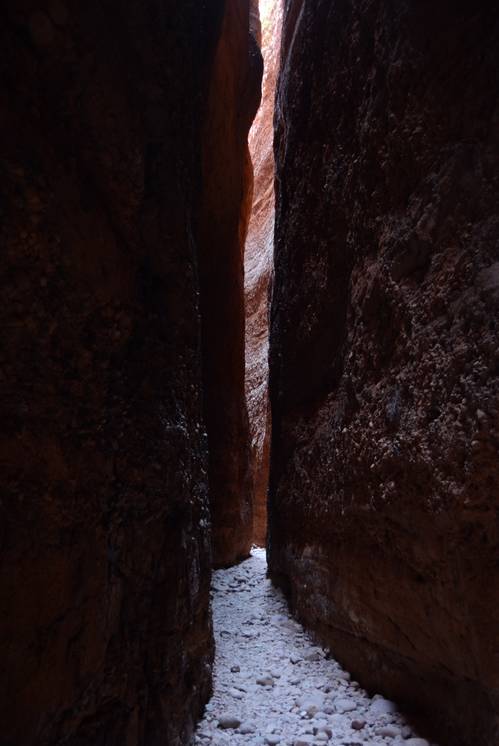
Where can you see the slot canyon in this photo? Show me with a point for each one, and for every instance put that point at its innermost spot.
(249, 373)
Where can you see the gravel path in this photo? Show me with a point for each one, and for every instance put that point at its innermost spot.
(272, 685)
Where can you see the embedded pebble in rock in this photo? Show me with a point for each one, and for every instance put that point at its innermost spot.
(58, 12)
(42, 31)
(283, 689)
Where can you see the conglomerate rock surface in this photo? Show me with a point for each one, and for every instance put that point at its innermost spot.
(383, 348)
(105, 634)
(258, 260)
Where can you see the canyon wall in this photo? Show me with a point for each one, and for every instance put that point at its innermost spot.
(384, 348)
(105, 631)
(258, 260)
(227, 175)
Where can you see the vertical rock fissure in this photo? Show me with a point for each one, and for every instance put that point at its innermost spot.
(258, 263)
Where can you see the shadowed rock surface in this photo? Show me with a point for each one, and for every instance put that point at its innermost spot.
(105, 632)
(384, 362)
(258, 267)
(227, 174)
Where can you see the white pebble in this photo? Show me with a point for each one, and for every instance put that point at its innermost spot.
(388, 731)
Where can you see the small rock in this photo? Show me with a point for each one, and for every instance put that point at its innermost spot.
(325, 731)
(294, 659)
(416, 742)
(345, 705)
(344, 675)
(301, 742)
(228, 722)
(247, 728)
(235, 669)
(272, 740)
(358, 724)
(235, 693)
(265, 681)
(388, 731)
(382, 707)
(311, 704)
(313, 656)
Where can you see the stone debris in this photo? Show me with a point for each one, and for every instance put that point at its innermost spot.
(228, 722)
(284, 691)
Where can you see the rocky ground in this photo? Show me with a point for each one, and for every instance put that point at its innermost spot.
(273, 685)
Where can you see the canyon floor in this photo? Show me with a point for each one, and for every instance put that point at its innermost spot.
(273, 685)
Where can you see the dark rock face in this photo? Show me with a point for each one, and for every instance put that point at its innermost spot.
(384, 362)
(227, 176)
(105, 634)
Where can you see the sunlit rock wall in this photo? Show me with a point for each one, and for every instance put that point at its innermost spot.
(258, 266)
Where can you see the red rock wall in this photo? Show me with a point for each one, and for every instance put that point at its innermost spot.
(258, 266)
(235, 88)
(105, 635)
(384, 473)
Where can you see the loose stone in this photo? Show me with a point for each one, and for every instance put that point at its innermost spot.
(388, 731)
(358, 724)
(265, 681)
(273, 695)
(228, 722)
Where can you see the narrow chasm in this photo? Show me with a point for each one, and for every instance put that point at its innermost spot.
(249, 373)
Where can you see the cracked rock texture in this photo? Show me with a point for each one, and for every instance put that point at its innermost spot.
(227, 175)
(383, 349)
(258, 260)
(105, 633)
